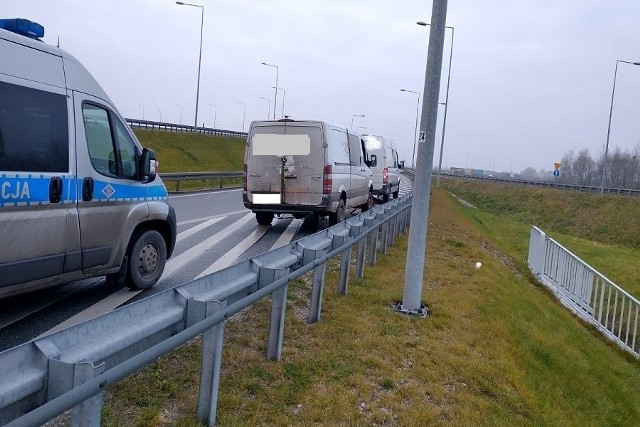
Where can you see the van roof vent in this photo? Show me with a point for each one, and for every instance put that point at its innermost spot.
(24, 27)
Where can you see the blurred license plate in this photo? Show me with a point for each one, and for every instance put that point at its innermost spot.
(266, 199)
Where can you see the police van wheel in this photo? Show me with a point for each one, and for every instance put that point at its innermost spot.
(147, 257)
(338, 216)
(264, 218)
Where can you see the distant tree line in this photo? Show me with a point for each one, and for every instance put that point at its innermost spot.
(622, 171)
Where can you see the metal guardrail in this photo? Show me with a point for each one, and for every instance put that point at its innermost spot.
(172, 127)
(585, 291)
(70, 369)
(189, 176)
(551, 184)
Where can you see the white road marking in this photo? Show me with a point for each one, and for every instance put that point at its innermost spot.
(288, 234)
(193, 230)
(206, 218)
(123, 295)
(176, 263)
(227, 259)
(106, 305)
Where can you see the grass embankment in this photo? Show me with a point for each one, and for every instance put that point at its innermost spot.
(496, 350)
(604, 231)
(185, 152)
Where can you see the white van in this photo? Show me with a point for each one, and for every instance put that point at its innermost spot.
(305, 168)
(79, 196)
(386, 174)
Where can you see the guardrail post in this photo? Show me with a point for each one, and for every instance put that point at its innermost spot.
(212, 341)
(345, 262)
(384, 239)
(318, 282)
(362, 246)
(278, 310)
(373, 246)
(177, 185)
(88, 412)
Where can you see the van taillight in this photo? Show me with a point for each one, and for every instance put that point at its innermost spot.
(244, 178)
(327, 181)
(385, 175)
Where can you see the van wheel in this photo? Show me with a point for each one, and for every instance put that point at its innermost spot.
(396, 193)
(338, 216)
(366, 206)
(385, 198)
(147, 256)
(264, 218)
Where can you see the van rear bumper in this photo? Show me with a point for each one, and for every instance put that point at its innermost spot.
(328, 204)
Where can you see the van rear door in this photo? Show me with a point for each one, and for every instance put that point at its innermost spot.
(285, 163)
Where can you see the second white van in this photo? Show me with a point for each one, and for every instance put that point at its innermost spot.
(386, 174)
(305, 168)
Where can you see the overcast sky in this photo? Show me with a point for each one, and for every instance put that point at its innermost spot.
(530, 80)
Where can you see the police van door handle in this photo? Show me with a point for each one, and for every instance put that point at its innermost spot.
(55, 189)
(87, 189)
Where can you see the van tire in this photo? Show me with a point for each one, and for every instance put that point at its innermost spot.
(338, 216)
(396, 193)
(264, 218)
(369, 203)
(147, 257)
(385, 198)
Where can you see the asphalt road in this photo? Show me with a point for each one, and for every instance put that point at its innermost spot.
(214, 232)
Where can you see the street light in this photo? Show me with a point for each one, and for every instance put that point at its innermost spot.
(142, 110)
(195, 124)
(160, 111)
(415, 132)
(353, 116)
(275, 96)
(178, 105)
(606, 149)
(446, 102)
(214, 115)
(268, 106)
(244, 111)
(283, 95)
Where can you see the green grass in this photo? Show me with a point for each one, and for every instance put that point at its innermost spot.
(497, 349)
(185, 152)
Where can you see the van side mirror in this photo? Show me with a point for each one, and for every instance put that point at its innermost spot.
(401, 164)
(373, 161)
(148, 166)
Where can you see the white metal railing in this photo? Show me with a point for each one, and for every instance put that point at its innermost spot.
(585, 291)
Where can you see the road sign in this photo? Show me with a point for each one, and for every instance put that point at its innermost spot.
(556, 173)
(557, 165)
(422, 137)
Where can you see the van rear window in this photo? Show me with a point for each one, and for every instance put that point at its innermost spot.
(285, 140)
(34, 130)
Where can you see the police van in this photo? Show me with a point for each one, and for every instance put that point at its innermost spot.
(386, 171)
(79, 195)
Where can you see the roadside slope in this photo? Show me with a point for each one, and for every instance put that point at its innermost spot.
(496, 349)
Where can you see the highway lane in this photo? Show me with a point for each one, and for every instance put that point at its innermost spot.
(214, 231)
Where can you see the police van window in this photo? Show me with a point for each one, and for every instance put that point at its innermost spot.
(355, 150)
(34, 131)
(127, 150)
(116, 159)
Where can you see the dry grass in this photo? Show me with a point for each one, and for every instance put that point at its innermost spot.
(496, 350)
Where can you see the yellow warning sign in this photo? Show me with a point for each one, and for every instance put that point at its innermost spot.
(557, 165)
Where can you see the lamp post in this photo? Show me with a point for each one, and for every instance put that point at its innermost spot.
(606, 149)
(354, 116)
(275, 95)
(195, 123)
(446, 102)
(284, 93)
(142, 111)
(160, 111)
(178, 105)
(268, 106)
(244, 112)
(214, 115)
(415, 132)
